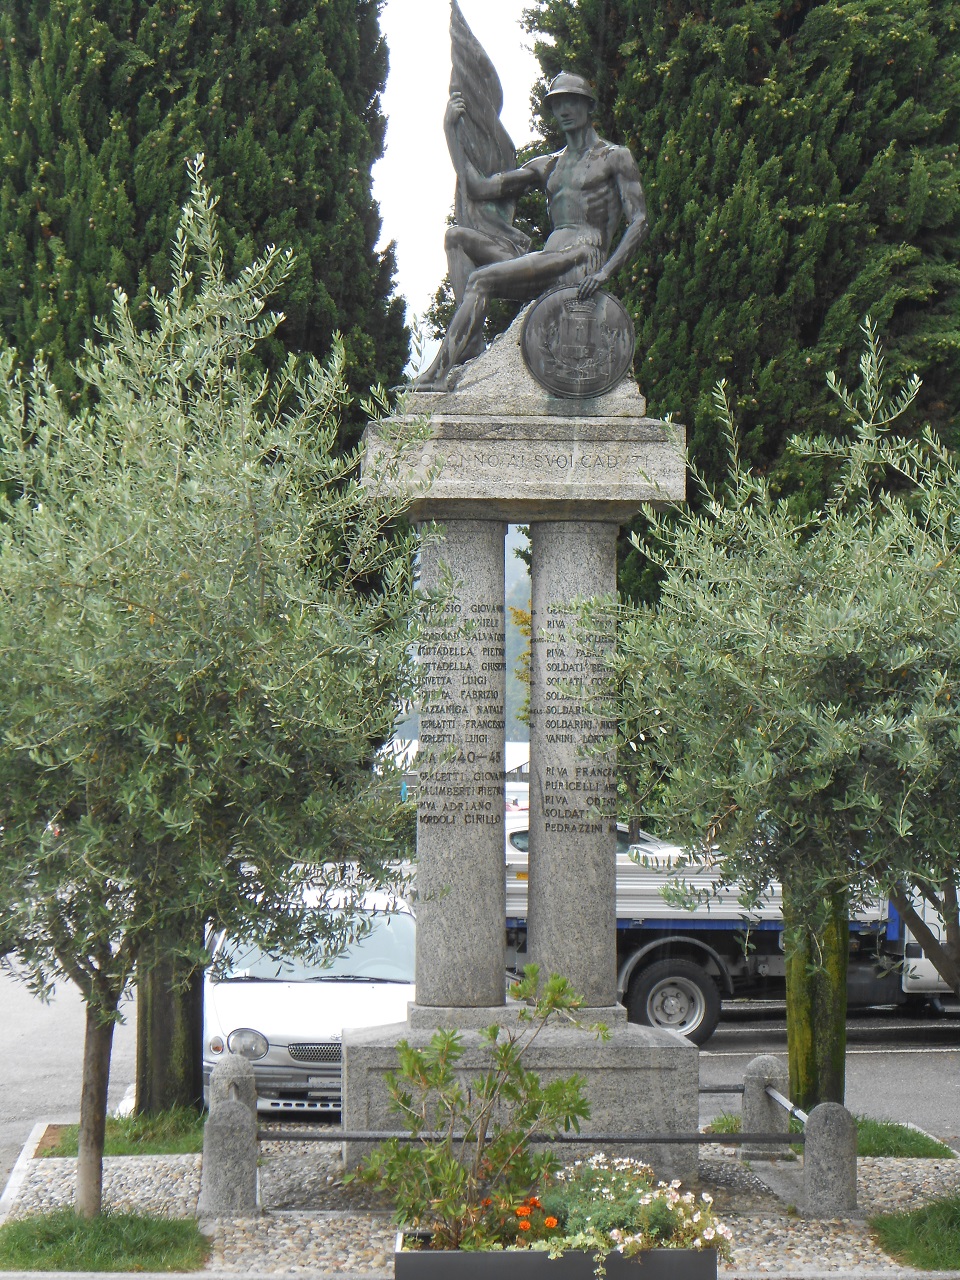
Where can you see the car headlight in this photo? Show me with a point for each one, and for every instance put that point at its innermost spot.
(247, 1043)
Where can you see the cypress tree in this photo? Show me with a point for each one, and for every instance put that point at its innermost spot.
(101, 104)
(800, 163)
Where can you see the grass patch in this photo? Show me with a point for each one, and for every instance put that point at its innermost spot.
(874, 1137)
(63, 1241)
(928, 1238)
(725, 1122)
(178, 1132)
(885, 1138)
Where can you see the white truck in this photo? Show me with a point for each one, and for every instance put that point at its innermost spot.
(674, 965)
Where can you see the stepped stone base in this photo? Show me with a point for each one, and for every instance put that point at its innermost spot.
(640, 1080)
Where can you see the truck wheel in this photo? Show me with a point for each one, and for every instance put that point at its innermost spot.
(677, 995)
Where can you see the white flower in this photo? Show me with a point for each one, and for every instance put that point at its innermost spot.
(709, 1233)
(707, 1198)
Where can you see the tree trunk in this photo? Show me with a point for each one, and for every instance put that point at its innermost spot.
(816, 965)
(943, 951)
(97, 1046)
(169, 1034)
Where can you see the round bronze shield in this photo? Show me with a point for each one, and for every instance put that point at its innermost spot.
(577, 348)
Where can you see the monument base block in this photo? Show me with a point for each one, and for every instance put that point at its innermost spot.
(639, 1080)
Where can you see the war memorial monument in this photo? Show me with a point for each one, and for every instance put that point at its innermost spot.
(545, 427)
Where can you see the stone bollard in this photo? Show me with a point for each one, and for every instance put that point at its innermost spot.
(228, 1176)
(830, 1162)
(760, 1114)
(233, 1078)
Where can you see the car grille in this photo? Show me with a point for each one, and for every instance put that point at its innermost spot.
(328, 1052)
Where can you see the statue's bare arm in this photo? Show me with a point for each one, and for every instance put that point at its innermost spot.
(634, 207)
(499, 185)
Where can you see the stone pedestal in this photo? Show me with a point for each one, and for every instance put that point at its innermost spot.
(641, 1080)
(503, 449)
(460, 879)
(571, 926)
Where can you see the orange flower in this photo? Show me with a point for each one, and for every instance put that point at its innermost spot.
(524, 1226)
(534, 1203)
(549, 1222)
(523, 1211)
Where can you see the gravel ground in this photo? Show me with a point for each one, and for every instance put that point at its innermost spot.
(164, 1185)
(315, 1223)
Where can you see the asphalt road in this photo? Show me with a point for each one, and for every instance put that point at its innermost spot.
(897, 1068)
(40, 1071)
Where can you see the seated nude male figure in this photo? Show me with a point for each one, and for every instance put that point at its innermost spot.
(591, 186)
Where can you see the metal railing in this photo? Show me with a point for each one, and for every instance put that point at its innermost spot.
(604, 1139)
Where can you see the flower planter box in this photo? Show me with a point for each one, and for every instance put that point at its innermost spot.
(529, 1264)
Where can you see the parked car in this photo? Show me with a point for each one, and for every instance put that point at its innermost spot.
(288, 1015)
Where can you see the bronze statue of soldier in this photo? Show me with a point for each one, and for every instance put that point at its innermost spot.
(591, 185)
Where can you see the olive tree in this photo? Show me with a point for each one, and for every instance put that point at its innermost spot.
(792, 700)
(205, 636)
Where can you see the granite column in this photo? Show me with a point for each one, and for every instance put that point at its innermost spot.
(460, 858)
(572, 893)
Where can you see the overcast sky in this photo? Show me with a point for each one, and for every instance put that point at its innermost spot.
(414, 181)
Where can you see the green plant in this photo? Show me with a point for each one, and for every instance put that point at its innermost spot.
(765, 134)
(928, 1237)
(65, 1241)
(898, 1141)
(471, 1161)
(206, 625)
(604, 1203)
(793, 699)
(725, 1122)
(178, 1131)
(471, 1181)
(99, 110)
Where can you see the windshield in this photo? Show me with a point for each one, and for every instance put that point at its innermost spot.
(385, 954)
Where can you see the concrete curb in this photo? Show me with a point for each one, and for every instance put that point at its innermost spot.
(227, 1275)
(18, 1174)
(801, 1273)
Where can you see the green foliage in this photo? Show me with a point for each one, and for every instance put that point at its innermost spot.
(472, 1161)
(725, 1122)
(63, 1241)
(800, 166)
(898, 1141)
(204, 639)
(794, 696)
(102, 104)
(178, 1131)
(603, 1201)
(928, 1237)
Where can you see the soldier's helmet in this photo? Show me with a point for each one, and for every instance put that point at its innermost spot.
(568, 82)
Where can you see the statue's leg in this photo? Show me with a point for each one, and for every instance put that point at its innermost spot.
(464, 333)
(520, 279)
(467, 249)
